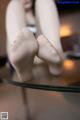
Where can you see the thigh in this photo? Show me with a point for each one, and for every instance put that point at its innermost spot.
(48, 20)
(15, 21)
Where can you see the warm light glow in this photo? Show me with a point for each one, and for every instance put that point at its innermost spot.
(65, 31)
(69, 64)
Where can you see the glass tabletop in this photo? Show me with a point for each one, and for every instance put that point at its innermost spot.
(68, 81)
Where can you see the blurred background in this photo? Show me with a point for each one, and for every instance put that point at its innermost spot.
(44, 105)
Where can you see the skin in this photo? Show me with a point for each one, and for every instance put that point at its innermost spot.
(49, 35)
(47, 22)
(21, 43)
(27, 4)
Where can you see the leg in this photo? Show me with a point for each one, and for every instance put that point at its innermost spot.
(21, 43)
(49, 43)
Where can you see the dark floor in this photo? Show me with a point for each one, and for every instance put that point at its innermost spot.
(43, 105)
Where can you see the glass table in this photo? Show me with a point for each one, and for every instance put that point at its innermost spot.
(69, 81)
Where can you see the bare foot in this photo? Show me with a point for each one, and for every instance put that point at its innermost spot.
(22, 54)
(50, 55)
